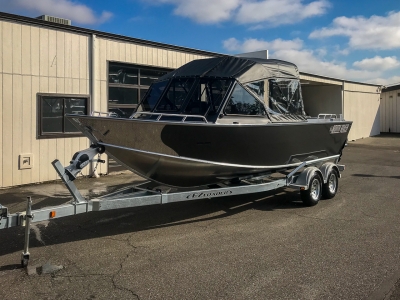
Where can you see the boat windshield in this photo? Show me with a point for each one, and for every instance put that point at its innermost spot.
(189, 96)
(281, 96)
(152, 96)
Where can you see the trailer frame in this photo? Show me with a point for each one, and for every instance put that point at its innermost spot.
(148, 194)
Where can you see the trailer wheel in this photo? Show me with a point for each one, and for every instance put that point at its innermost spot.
(312, 195)
(329, 189)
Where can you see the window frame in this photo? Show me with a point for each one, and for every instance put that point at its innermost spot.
(39, 119)
(137, 86)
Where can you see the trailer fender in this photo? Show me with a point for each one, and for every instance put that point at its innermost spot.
(303, 180)
(326, 169)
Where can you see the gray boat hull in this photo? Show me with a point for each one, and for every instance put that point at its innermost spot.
(187, 154)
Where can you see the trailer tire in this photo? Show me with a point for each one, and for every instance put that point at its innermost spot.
(329, 189)
(312, 195)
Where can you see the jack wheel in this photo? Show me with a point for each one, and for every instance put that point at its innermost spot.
(312, 195)
(329, 189)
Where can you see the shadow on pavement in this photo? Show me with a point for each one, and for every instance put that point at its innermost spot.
(108, 223)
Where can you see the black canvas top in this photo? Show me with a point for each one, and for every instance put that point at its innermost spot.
(241, 68)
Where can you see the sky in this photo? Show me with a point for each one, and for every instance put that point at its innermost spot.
(353, 40)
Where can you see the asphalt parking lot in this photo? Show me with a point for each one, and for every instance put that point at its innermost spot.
(262, 246)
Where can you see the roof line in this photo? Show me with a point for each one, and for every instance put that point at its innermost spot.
(392, 88)
(338, 79)
(81, 30)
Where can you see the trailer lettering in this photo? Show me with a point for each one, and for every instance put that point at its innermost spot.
(208, 194)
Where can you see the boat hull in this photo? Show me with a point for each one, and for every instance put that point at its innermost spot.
(189, 154)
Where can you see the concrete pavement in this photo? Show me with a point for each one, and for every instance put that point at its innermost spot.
(263, 246)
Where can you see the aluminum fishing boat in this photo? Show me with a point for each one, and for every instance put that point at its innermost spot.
(218, 119)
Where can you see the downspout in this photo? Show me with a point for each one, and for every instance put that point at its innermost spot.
(342, 100)
(93, 96)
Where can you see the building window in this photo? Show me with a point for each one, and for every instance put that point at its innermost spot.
(127, 84)
(52, 108)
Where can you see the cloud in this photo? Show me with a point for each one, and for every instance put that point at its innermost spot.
(272, 12)
(68, 9)
(378, 63)
(376, 32)
(277, 12)
(250, 45)
(386, 81)
(307, 60)
(204, 11)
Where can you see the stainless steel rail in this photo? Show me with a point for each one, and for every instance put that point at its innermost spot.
(161, 115)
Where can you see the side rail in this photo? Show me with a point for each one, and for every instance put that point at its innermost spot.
(330, 116)
(96, 113)
(161, 116)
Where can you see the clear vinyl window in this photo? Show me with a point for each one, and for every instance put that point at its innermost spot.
(242, 102)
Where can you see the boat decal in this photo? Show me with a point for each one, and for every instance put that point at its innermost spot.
(209, 194)
(339, 128)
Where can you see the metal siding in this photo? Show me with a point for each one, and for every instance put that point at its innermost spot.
(16, 128)
(134, 53)
(363, 88)
(156, 58)
(60, 54)
(43, 143)
(320, 79)
(68, 86)
(1, 59)
(83, 57)
(139, 54)
(397, 116)
(382, 108)
(7, 48)
(67, 55)
(150, 55)
(128, 53)
(1, 125)
(60, 86)
(7, 130)
(36, 144)
(75, 56)
(122, 52)
(44, 52)
(53, 53)
(27, 130)
(75, 86)
(26, 50)
(52, 85)
(363, 110)
(35, 50)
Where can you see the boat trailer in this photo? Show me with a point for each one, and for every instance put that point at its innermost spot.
(315, 178)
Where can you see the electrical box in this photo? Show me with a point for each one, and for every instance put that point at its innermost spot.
(25, 161)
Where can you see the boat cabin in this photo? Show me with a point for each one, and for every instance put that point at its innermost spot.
(222, 89)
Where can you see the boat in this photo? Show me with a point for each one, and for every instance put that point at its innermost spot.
(218, 119)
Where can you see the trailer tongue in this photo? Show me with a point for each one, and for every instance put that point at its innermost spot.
(315, 178)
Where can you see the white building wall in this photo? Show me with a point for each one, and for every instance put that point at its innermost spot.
(362, 106)
(36, 60)
(390, 111)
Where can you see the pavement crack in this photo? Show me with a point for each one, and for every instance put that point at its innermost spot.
(113, 278)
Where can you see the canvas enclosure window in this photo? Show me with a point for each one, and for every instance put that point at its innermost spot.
(207, 96)
(242, 102)
(281, 96)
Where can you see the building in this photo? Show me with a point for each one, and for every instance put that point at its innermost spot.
(48, 69)
(390, 109)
